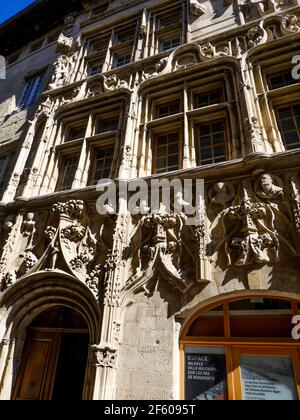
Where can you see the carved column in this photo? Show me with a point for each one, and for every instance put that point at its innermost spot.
(106, 352)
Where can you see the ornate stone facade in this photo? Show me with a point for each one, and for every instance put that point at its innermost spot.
(138, 277)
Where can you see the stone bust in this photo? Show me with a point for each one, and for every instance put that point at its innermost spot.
(266, 187)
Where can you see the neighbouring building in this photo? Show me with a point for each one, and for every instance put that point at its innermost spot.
(146, 305)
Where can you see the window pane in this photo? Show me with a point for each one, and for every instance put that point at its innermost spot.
(205, 373)
(68, 173)
(103, 164)
(4, 170)
(212, 143)
(289, 126)
(30, 92)
(268, 378)
(167, 153)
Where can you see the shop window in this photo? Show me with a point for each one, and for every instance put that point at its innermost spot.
(253, 357)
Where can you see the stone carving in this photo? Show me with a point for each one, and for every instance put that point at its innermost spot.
(65, 63)
(112, 83)
(253, 232)
(162, 244)
(196, 8)
(44, 108)
(255, 36)
(8, 280)
(221, 194)
(291, 23)
(295, 196)
(143, 31)
(106, 357)
(268, 187)
(209, 51)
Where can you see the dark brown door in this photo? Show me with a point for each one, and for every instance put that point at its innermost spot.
(38, 366)
(54, 359)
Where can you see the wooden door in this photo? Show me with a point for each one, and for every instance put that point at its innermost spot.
(38, 367)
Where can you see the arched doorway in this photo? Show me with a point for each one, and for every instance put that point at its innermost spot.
(241, 349)
(54, 358)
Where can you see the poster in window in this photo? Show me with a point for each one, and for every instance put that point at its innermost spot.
(205, 377)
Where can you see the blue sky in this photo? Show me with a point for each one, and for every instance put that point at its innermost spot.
(9, 8)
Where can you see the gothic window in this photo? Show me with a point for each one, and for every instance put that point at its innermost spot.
(30, 92)
(5, 161)
(212, 142)
(69, 167)
(166, 152)
(102, 165)
(280, 80)
(76, 133)
(107, 125)
(95, 68)
(167, 109)
(121, 60)
(208, 98)
(289, 124)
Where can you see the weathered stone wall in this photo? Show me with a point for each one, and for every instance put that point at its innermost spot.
(148, 363)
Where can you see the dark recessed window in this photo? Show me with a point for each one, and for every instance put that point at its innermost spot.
(289, 124)
(125, 35)
(167, 153)
(95, 68)
(168, 109)
(31, 92)
(281, 80)
(210, 98)
(69, 168)
(76, 133)
(169, 18)
(4, 170)
(212, 143)
(103, 164)
(108, 125)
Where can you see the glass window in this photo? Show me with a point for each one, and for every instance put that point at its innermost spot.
(108, 125)
(30, 92)
(76, 133)
(120, 61)
(212, 143)
(168, 109)
(167, 153)
(95, 68)
(289, 124)
(4, 170)
(69, 168)
(170, 44)
(281, 80)
(169, 18)
(103, 164)
(209, 98)
(205, 373)
(267, 378)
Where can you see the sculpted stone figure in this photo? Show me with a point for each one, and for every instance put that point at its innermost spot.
(266, 188)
